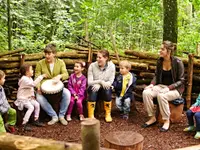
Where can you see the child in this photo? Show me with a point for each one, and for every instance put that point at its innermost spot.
(123, 85)
(5, 108)
(77, 87)
(194, 111)
(26, 95)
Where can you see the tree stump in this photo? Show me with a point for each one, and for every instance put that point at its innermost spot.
(90, 134)
(125, 140)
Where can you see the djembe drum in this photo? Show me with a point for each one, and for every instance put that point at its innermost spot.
(52, 90)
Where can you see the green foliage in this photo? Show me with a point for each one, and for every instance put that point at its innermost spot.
(135, 24)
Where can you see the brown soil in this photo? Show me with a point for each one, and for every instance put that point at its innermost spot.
(153, 138)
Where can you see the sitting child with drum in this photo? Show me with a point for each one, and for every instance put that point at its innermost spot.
(26, 96)
(77, 86)
(55, 69)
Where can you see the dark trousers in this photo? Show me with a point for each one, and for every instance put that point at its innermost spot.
(101, 94)
(191, 116)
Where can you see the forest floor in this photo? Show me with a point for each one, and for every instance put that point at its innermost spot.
(153, 138)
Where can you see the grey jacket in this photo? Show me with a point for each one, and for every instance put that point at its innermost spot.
(177, 74)
(4, 106)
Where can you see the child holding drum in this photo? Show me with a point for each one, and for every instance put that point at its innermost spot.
(26, 96)
(77, 88)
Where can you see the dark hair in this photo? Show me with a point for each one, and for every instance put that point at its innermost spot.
(50, 48)
(105, 54)
(23, 69)
(83, 64)
(171, 47)
(2, 74)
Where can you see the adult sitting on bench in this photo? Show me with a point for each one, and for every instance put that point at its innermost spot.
(55, 69)
(101, 75)
(167, 85)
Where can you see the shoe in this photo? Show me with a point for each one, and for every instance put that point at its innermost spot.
(53, 121)
(125, 116)
(163, 129)
(63, 121)
(148, 125)
(26, 127)
(190, 128)
(9, 128)
(38, 124)
(69, 118)
(81, 117)
(197, 135)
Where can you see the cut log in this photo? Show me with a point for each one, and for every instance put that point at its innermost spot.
(147, 75)
(12, 52)
(124, 140)
(16, 142)
(144, 55)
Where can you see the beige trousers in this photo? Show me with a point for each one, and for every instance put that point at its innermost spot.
(162, 99)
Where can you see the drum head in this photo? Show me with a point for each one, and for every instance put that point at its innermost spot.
(51, 87)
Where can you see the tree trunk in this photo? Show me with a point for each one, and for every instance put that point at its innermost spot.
(170, 27)
(9, 26)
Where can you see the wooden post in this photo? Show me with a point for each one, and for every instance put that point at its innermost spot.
(16, 142)
(90, 134)
(189, 79)
(22, 60)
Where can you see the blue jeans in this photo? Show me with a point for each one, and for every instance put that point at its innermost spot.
(123, 105)
(191, 116)
(101, 94)
(46, 106)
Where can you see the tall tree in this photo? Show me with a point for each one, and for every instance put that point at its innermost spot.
(9, 25)
(170, 26)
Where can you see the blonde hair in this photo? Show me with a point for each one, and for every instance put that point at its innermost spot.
(2, 74)
(125, 63)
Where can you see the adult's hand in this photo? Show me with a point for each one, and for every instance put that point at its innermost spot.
(164, 90)
(96, 87)
(105, 85)
(149, 87)
(57, 78)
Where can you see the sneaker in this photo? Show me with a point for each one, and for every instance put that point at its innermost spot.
(125, 116)
(197, 135)
(63, 121)
(69, 118)
(9, 128)
(190, 128)
(26, 127)
(81, 117)
(53, 121)
(38, 124)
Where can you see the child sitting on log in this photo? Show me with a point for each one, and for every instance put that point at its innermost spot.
(77, 87)
(26, 96)
(123, 85)
(194, 113)
(5, 108)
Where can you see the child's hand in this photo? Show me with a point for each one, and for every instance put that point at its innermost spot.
(45, 75)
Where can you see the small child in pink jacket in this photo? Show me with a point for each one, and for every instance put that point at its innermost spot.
(77, 88)
(26, 96)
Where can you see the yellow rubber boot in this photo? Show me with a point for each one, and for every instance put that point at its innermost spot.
(107, 107)
(91, 107)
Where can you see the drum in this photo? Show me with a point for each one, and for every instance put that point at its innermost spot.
(51, 87)
(53, 92)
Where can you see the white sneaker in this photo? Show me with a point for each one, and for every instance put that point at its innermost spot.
(69, 118)
(53, 121)
(81, 117)
(63, 121)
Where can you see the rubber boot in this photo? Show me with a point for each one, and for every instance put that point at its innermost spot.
(91, 107)
(107, 107)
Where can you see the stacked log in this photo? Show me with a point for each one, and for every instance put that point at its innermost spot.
(143, 65)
